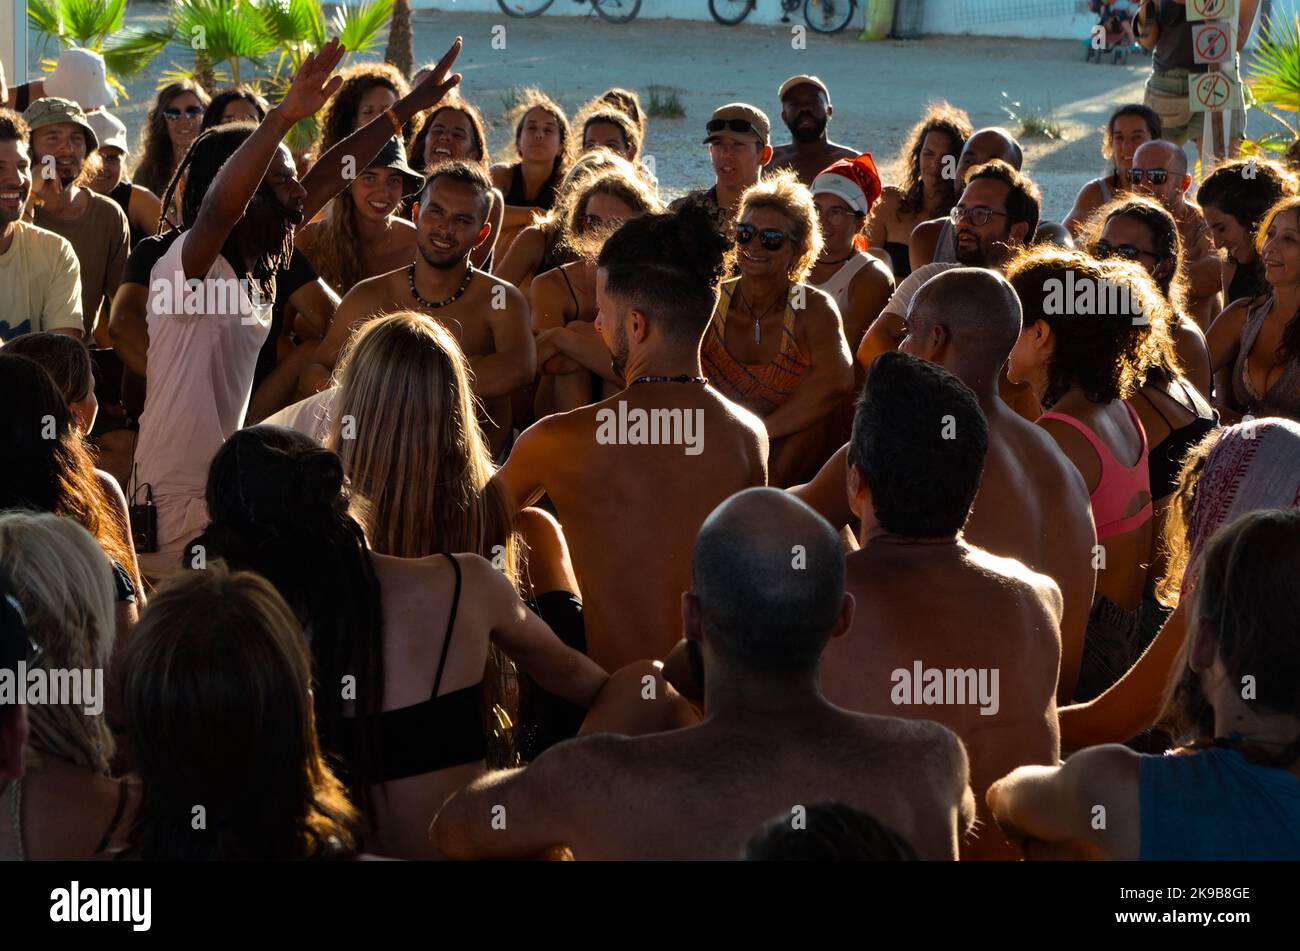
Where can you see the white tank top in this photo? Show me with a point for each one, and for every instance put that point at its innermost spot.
(838, 285)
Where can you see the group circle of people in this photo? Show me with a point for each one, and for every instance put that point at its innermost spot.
(424, 506)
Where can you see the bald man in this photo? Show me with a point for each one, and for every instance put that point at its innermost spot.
(1162, 167)
(933, 240)
(767, 594)
(945, 630)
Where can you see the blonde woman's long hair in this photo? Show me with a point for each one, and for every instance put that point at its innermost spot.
(406, 426)
(65, 586)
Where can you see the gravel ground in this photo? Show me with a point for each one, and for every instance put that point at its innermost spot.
(879, 89)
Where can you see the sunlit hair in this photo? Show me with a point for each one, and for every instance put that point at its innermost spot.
(1155, 127)
(419, 466)
(952, 122)
(65, 587)
(212, 115)
(782, 192)
(631, 135)
(628, 187)
(586, 167)
(1163, 229)
(339, 118)
(1178, 520)
(1289, 346)
(625, 101)
(154, 168)
(54, 474)
(217, 686)
(533, 98)
(1246, 189)
(453, 104)
(1107, 355)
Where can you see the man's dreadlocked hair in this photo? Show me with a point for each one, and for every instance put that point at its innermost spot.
(208, 153)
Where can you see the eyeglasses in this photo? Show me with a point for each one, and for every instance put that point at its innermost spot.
(835, 214)
(735, 125)
(1130, 252)
(978, 216)
(1156, 176)
(770, 238)
(174, 115)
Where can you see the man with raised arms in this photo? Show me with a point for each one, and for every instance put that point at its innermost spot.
(945, 631)
(767, 593)
(633, 477)
(488, 316)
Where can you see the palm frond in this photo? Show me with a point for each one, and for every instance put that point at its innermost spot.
(135, 50)
(221, 31)
(177, 72)
(1275, 73)
(359, 26)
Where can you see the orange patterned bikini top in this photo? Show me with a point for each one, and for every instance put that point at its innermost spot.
(761, 387)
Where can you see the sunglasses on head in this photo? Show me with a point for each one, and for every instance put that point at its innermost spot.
(191, 112)
(770, 238)
(1130, 252)
(1156, 176)
(735, 125)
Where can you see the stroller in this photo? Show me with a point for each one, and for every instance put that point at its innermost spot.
(1113, 19)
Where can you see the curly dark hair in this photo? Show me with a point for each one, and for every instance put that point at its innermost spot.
(1246, 189)
(468, 110)
(1148, 115)
(12, 126)
(1164, 236)
(154, 169)
(339, 119)
(939, 117)
(1106, 353)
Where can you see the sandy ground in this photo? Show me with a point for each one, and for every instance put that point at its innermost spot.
(879, 89)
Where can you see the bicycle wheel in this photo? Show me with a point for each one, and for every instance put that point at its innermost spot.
(524, 9)
(828, 16)
(615, 11)
(730, 12)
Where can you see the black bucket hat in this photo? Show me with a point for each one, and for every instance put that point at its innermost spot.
(393, 155)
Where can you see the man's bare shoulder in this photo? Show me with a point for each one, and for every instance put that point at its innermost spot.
(377, 294)
(923, 742)
(782, 156)
(735, 414)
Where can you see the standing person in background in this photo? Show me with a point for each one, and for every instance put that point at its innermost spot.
(1162, 27)
(806, 110)
(542, 143)
(141, 206)
(930, 186)
(174, 121)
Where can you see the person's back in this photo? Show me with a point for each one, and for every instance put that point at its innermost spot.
(771, 744)
(946, 631)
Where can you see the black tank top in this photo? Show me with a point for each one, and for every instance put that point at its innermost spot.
(122, 195)
(545, 198)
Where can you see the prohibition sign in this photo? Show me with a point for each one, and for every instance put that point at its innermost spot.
(1207, 9)
(1211, 92)
(1211, 43)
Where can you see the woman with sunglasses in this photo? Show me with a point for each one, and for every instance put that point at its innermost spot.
(1083, 361)
(775, 344)
(1128, 128)
(1171, 402)
(1258, 339)
(1234, 198)
(570, 353)
(67, 806)
(172, 124)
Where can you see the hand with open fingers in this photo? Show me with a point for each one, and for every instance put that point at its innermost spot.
(315, 82)
(434, 87)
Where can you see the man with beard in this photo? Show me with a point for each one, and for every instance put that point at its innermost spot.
(40, 280)
(806, 111)
(212, 291)
(996, 215)
(62, 140)
(934, 240)
(632, 496)
(488, 316)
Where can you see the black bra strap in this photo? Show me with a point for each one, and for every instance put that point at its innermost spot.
(122, 791)
(451, 623)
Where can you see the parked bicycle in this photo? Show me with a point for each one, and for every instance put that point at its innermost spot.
(615, 11)
(823, 16)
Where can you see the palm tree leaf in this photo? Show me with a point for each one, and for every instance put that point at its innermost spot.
(290, 21)
(359, 26)
(221, 30)
(1275, 73)
(90, 21)
(43, 17)
(177, 73)
(135, 50)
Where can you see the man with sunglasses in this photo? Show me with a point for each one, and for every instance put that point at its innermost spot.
(806, 110)
(739, 146)
(1160, 170)
(62, 140)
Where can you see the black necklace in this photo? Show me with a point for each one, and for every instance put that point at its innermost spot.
(436, 305)
(684, 378)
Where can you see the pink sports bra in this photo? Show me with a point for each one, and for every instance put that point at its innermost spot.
(1118, 484)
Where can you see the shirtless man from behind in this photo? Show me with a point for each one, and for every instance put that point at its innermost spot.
(634, 476)
(945, 631)
(757, 620)
(488, 317)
